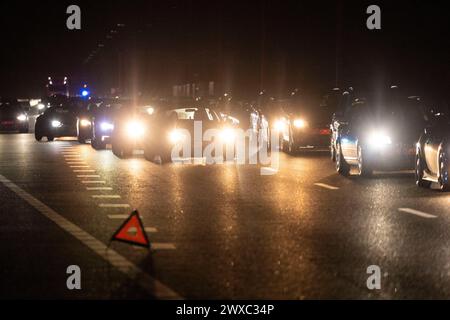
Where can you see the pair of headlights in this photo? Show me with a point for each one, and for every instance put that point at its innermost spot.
(282, 124)
(104, 126)
(136, 129)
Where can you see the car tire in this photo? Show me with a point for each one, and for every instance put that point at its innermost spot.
(81, 140)
(120, 152)
(50, 138)
(342, 166)
(418, 173)
(364, 167)
(38, 135)
(98, 145)
(444, 183)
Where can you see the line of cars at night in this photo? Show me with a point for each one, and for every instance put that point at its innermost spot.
(387, 130)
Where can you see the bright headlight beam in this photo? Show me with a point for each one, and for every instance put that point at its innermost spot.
(227, 135)
(279, 125)
(135, 129)
(56, 123)
(85, 123)
(299, 123)
(105, 126)
(176, 136)
(22, 117)
(379, 139)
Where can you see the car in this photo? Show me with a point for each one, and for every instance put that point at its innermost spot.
(172, 127)
(432, 154)
(13, 117)
(60, 120)
(378, 133)
(307, 126)
(102, 123)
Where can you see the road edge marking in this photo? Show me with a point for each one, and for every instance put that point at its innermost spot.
(326, 186)
(136, 274)
(418, 213)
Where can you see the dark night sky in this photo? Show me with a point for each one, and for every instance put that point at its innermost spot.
(168, 42)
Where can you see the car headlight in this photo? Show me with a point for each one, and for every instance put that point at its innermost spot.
(135, 129)
(22, 117)
(106, 126)
(85, 123)
(150, 110)
(379, 139)
(41, 106)
(300, 123)
(176, 136)
(279, 125)
(227, 135)
(56, 124)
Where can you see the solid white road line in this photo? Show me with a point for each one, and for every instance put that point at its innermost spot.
(155, 287)
(114, 205)
(98, 188)
(106, 196)
(88, 176)
(89, 181)
(326, 186)
(417, 213)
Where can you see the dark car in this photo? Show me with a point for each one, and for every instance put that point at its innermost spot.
(84, 122)
(432, 154)
(172, 127)
(102, 123)
(378, 133)
(157, 133)
(60, 120)
(13, 117)
(307, 127)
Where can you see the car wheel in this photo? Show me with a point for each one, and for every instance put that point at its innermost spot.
(38, 135)
(342, 166)
(149, 154)
(81, 140)
(50, 138)
(120, 152)
(98, 145)
(443, 172)
(364, 167)
(418, 172)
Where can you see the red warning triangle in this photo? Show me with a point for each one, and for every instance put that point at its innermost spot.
(132, 231)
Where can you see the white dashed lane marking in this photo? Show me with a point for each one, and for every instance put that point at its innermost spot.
(418, 213)
(93, 182)
(326, 186)
(114, 205)
(106, 196)
(155, 287)
(119, 216)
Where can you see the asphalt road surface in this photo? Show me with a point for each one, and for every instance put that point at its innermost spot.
(217, 231)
